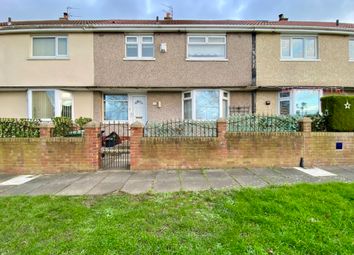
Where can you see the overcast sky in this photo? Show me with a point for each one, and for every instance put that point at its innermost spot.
(324, 10)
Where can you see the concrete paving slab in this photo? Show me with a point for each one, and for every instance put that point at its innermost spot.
(264, 171)
(5, 177)
(192, 174)
(56, 183)
(239, 172)
(143, 175)
(114, 181)
(27, 187)
(250, 181)
(83, 185)
(170, 175)
(194, 180)
(167, 181)
(219, 179)
(137, 186)
(5, 189)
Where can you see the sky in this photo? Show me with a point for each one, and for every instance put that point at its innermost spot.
(319, 10)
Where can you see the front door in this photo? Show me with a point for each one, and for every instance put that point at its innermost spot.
(138, 108)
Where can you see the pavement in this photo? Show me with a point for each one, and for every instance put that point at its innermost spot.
(115, 181)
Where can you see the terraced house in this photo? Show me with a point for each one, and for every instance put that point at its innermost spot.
(149, 70)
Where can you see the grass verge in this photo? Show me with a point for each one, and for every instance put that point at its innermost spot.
(301, 219)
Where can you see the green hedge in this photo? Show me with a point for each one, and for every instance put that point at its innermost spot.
(19, 128)
(338, 117)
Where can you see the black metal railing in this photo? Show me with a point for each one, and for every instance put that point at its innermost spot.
(181, 128)
(262, 123)
(235, 110)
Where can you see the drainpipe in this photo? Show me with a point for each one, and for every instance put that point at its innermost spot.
(254, 74)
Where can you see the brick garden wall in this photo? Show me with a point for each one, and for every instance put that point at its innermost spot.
(51, 154)
(241, 149)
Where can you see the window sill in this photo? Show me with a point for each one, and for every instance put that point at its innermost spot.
(300, 60)
(207, 59)
(48, 58)
(139, 59)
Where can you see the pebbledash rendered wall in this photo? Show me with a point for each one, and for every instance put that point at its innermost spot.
(241, 149)
(48, 154)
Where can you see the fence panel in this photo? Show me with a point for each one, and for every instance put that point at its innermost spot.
(262, 123)
(181, 128)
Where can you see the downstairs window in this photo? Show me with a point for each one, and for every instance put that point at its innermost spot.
(205, 104)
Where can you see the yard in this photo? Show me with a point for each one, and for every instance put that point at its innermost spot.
(301, 219)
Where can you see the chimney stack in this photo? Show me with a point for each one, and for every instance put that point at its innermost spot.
(168, 16)
(337, 22)
(9, 21)
(65, 16)
(282, 17)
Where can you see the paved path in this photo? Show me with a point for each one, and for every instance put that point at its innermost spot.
(113, 181)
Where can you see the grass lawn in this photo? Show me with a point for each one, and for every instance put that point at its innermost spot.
(302, 219)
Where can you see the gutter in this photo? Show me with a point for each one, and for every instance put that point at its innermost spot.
(173, 28)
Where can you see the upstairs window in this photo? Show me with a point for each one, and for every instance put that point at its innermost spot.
(139, 47)
(206, 47)
(351, 49)
(50, 46)
(299, 48)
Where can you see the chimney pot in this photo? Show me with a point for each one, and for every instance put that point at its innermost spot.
(65, 16)
(282, 17)
(9, 21)
(337, 22)
(168, 16)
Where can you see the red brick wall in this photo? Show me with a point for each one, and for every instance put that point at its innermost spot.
(246, 149)
(51, 154)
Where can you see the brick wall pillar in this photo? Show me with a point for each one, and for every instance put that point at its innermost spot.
(221, 125)
(93, 144)
(45, 129)
(305, 124)
(137, 132)
(305, 128)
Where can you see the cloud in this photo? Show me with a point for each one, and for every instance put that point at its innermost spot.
(325, 10)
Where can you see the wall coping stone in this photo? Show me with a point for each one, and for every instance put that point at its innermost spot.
(137, 124)
(92, 124)
(46, 125)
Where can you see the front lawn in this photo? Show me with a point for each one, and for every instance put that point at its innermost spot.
(302, 219)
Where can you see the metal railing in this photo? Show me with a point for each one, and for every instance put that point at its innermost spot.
(262, 123)
(181, 128)
(235, 110)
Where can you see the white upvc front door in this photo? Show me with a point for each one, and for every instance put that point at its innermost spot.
(137, 108)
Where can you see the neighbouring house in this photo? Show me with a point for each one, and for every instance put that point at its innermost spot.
(150, 70)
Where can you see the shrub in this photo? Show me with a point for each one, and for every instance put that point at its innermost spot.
(62, 126)
(19, 128)
(319, 122)
(338, 117)
(82, 121)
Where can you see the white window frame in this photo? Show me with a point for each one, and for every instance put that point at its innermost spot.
(140, 47)
(207, 43)
(193, 98)
(351, 40)
(303, 37)
(291, 100)
(57, 103)
(104, 105)
(57, 55)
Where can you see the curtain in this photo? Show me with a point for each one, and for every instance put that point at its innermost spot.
(43, 47)
(43, 104)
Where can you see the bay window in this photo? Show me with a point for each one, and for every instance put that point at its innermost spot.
(139, 47)
(298, 47)
(206, 47)
(49, 46)
(205, 104)
(300, 102)
(46, 104)
(116, 107)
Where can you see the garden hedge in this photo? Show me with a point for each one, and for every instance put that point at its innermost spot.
(339, 118)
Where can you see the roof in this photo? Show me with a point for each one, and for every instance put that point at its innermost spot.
(251, 24)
